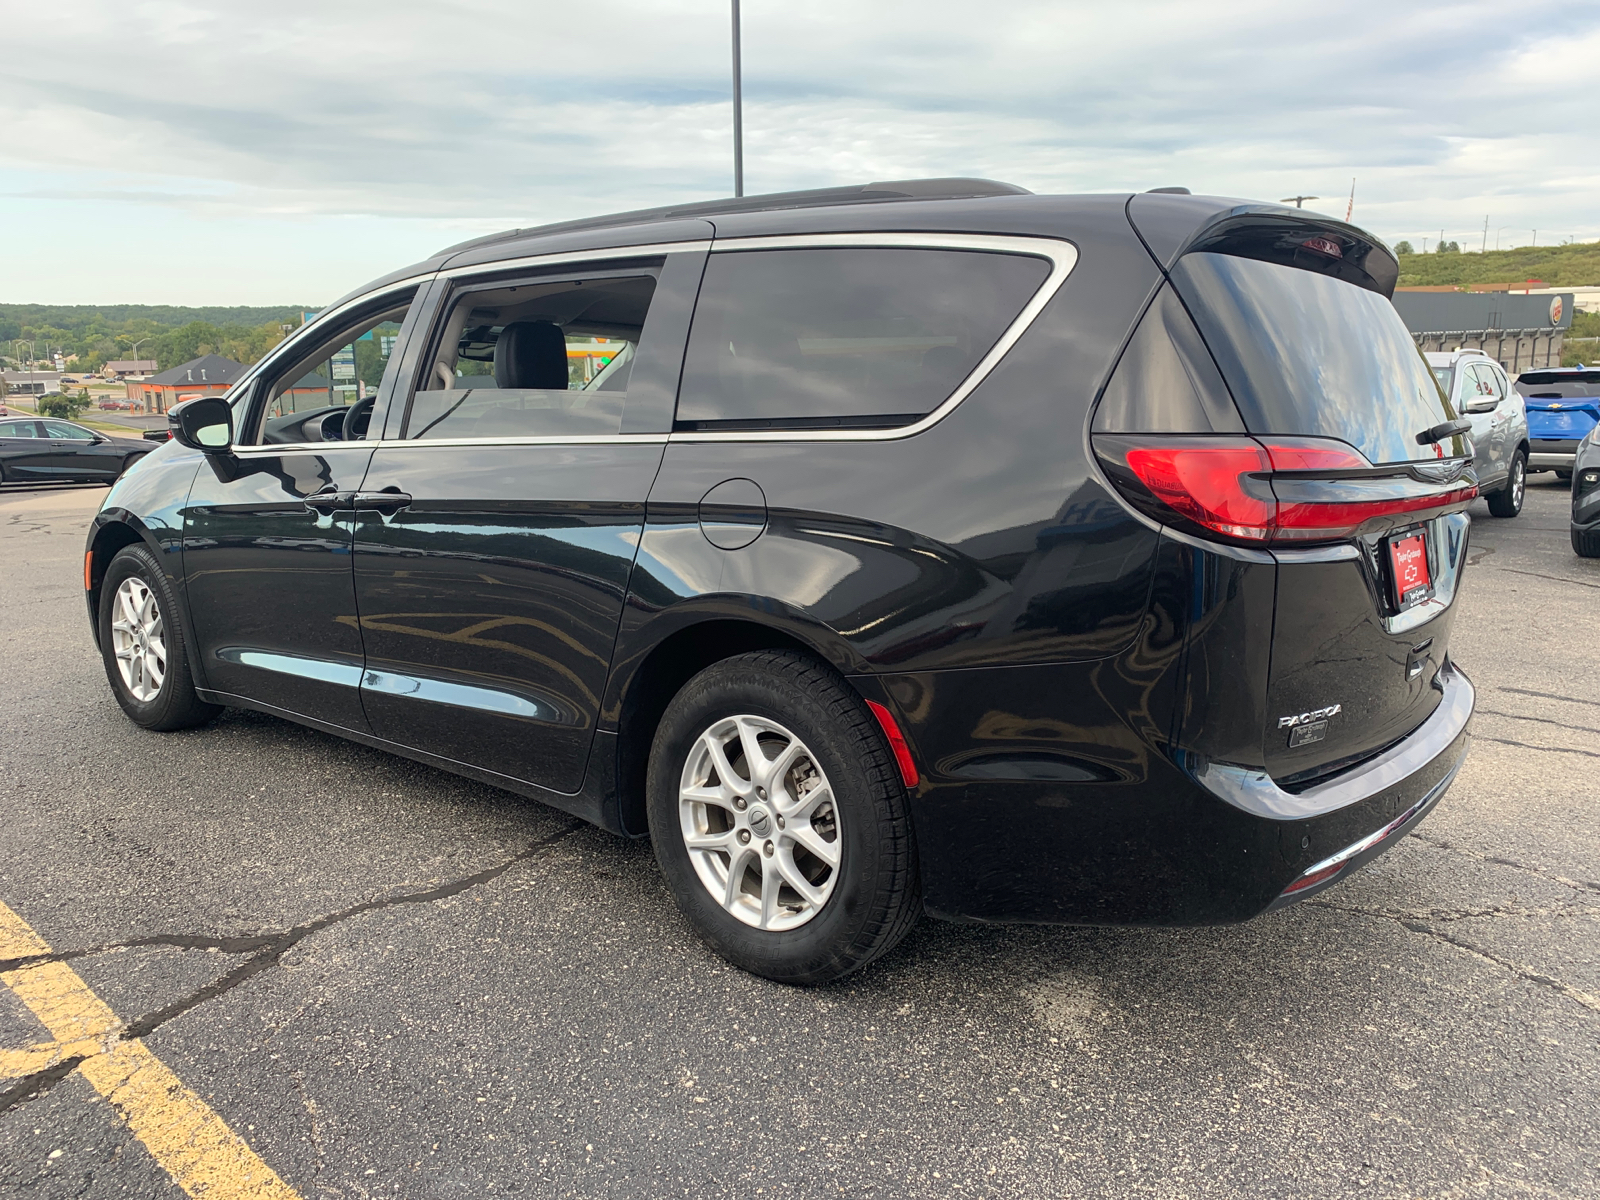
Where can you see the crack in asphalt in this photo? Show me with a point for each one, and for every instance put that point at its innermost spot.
(1491, 712)
(1462, 914)
(1582, 885)
(1591, 1002)
(1548, 696)
(269, 950)
(290, 938)
(1556, 578)
(1530, 746)
(1408, 922)
(37, 1084)
(228, 945)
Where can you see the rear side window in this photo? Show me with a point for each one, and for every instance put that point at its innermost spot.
(844, 338)
(1308, 354)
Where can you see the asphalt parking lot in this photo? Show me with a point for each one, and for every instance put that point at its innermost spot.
(388, 981)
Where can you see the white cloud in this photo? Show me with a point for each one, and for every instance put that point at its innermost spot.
(358, 133)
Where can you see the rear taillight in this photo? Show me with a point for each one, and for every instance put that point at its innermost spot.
(1271, 490)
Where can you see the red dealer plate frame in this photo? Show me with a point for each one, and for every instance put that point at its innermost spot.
(1410, 578)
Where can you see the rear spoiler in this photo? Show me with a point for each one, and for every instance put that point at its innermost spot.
(1172, 226)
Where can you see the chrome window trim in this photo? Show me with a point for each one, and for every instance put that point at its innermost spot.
(1062, 256)
(576, 439)
(586, 439)
(411, 282)
(561, 258)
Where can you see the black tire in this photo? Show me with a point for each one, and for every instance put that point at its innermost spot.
(876, 897)
(1564, 476)
(1586, 542)
(1507, 502)
(174, 704)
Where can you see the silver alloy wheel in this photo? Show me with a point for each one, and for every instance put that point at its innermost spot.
(1519, 481)
(760, 822)
(138, 639)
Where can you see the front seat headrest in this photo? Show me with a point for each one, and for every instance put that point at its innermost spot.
(531, 354)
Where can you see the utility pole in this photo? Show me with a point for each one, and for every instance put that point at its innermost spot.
(1300, 201)
(738, 110)
(1485, 245)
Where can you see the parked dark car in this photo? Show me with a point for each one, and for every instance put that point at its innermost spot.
(50, 450)
(1563, 406)
(926, 545)
(1586, 496)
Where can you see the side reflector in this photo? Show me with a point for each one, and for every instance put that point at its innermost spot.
(897, 743)
(88, 570)
(1305, 881)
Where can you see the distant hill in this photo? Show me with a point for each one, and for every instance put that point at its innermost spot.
(89, 335)
(76, 318)
(1575, 265)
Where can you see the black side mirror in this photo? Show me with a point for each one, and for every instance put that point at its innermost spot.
(204, 423)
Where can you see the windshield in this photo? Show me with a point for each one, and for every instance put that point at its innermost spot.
(1442, 374)
(1308, 354)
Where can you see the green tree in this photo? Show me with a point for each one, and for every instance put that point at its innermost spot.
(1403, 248)
(1448, 248)
(65, 407)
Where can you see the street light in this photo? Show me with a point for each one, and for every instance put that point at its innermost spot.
(1297, 201)
(738, 109)
(1497, 234)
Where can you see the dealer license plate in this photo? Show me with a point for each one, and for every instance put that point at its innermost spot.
(1408, 569)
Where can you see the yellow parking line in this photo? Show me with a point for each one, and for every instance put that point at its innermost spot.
(194, 1145)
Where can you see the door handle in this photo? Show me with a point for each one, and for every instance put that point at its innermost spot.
(387, 501)
(328, 500)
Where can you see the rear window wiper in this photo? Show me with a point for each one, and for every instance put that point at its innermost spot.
(1445, 429)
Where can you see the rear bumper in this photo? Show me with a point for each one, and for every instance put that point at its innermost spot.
(1152, 841)
(1551, 454)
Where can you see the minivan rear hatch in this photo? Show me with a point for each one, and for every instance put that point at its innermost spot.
(1311, 347)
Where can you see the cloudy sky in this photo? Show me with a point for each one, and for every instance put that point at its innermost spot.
(161, 151)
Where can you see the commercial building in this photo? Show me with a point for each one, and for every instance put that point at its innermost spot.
(31, 383)
(1520, 331)
(208, 375)
(119, 367)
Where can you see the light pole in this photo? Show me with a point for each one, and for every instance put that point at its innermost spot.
(29, 345)
(1497, 234)
(738, 109)
(1297, 201)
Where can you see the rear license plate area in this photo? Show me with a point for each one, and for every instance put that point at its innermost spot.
(1410, 573)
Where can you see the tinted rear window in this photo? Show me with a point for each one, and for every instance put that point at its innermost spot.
(844, 337)
(1307, 354)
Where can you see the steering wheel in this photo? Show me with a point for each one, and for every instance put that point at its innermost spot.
(356, 419)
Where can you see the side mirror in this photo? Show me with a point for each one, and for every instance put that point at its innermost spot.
(1483, 404)
(204, 423)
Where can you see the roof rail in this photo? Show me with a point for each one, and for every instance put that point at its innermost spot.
(863, 193)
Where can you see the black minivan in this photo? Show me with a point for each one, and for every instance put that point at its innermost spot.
(915, 546)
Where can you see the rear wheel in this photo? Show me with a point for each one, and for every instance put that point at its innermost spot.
(780, 819)
(1507, 502)
(141, 642)
(1586, 542)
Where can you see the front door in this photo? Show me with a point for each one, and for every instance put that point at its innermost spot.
(504, 512)
(79, 453)
(267, 551)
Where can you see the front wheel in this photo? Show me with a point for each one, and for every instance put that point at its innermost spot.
(1507, 502)
(1586, 542)
(141, 641)
(780, 820)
